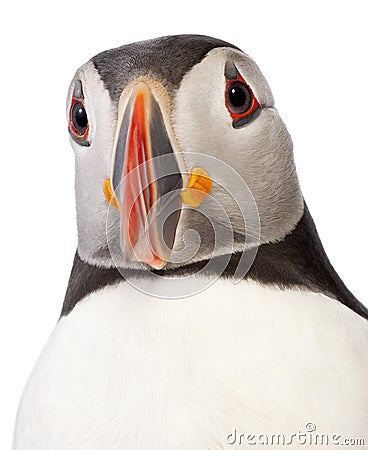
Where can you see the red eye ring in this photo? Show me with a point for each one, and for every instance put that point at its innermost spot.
(241, 102)
(78, 120)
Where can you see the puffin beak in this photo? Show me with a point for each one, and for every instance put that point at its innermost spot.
(146, 180)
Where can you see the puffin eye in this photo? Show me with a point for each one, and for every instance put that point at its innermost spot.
(78, 119)
(238, 97)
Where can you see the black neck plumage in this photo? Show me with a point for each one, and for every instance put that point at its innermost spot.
(299, 261)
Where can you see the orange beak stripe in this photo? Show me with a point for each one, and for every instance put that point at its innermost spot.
(109, 195)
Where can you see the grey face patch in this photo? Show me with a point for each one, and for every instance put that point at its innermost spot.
(80, 141)
(242, 121)
(78, 91)
(231, 72)
(166, 59)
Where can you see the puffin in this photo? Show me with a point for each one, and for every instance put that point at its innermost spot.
(202, 311)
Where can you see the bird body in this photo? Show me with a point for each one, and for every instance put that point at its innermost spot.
(185, 373)
(202, 311)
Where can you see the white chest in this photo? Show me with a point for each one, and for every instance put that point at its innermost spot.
(125, 371)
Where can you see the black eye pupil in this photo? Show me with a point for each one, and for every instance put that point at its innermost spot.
(79, 118)
(238, 97)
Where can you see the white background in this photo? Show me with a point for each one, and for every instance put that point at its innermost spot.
(314, 55)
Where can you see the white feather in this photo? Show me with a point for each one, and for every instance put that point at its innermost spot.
(126, 371)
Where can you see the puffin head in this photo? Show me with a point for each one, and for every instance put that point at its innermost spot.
(170, 136)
